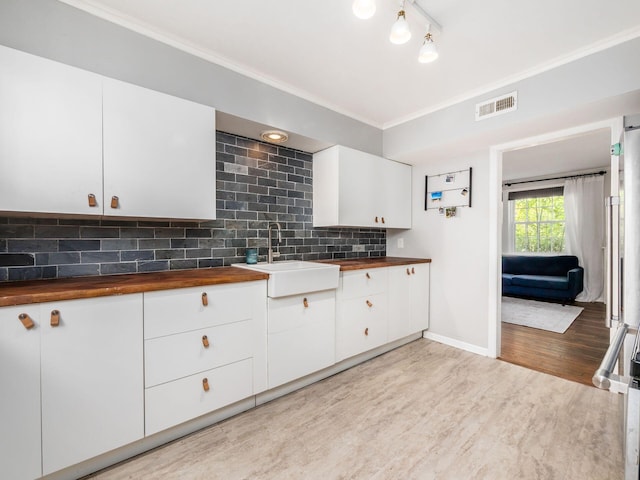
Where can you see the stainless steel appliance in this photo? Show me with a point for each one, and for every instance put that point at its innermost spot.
(623, 298)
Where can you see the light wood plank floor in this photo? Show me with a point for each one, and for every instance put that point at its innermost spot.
(574, 354)
(423, 411)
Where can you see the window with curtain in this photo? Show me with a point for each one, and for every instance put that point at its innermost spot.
(538, 220)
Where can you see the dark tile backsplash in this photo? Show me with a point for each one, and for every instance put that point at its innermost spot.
(257, 183)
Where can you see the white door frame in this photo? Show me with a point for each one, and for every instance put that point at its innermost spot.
(615, 126)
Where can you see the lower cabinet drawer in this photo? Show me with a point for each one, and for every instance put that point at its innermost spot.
(359, 283)
(361, 325)
(176, 356)
(301, 337)
(176, 402)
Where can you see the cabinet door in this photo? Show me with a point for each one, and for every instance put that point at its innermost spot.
(359, 189)
(401, 301)
(420, 296)
(408, 300)
(159, 154)
(396, 208)
(20, 454)
(50, 136)
(92, 378)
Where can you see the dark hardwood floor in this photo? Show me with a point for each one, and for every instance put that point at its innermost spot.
(574, 354)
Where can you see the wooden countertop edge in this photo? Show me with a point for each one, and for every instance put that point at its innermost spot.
(348, 264)
(21, 293)
(41, 291)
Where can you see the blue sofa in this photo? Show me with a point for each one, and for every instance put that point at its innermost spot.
(556, 277)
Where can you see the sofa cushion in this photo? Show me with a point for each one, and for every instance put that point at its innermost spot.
(506, 278)
(541, 281)
(556, 265)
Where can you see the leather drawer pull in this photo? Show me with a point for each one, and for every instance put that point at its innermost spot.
(368, 276)
(382, 219)
(376, 219)
(305, 302)
(413, 270)
(369, 304)
(26, 321)
(115, 202)
(205, 341)
(366, 332)
(408, 272)
(205, 384)
(55, 318)
(92, 200)
(205, 299)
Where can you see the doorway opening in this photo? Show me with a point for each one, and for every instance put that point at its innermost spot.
(534, 227)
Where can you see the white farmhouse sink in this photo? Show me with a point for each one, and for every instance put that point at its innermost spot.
(295, 277)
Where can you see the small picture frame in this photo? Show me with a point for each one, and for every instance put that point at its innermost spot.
(450, 178)
(436, 196)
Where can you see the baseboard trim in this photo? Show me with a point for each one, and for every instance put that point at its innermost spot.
(452, 342)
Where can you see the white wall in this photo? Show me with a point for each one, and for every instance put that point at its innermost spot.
(458, 248)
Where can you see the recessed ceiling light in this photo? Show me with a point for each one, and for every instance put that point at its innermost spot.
(274, 136)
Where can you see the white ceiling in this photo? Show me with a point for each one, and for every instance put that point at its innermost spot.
(319, 50)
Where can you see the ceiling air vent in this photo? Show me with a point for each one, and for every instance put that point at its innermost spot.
(497, 106)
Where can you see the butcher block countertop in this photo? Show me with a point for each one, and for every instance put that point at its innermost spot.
(38, 291)
(374, 262)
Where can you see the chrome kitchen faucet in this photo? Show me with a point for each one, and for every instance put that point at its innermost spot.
(273, 254)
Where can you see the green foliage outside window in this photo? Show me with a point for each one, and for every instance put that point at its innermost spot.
(539, 224)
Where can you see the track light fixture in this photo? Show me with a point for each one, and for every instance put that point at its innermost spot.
(400, 31)
(428, 52)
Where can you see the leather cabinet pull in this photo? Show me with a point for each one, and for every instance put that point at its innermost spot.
(368, 276)
(205, 384)
(205, 341)
(366, 332)
(26, 321)
(115, 202)
(205, 299)
(408, 272)
(55, 318)
(413, 270)
(92, 200)
(305, 302)
(382, 219)
(369, 304)
(376, 219)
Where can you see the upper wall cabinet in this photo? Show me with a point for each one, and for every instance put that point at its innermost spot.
(76, 143)
(159, 154)
(357, 189)
(50, 136)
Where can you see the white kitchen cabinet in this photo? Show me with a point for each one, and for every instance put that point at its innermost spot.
(205, 348)
(20, 450)
(76, 143)
(92, 378)
(356, 189)
(408, 300)
(361, 322)
(159, 154)
(50, 136)
(301, 335)
(75, 389)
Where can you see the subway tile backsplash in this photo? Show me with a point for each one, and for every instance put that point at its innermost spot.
(257, 183)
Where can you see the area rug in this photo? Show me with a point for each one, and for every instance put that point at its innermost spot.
(546, 316)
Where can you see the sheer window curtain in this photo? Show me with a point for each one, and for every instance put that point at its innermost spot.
(584, 231)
